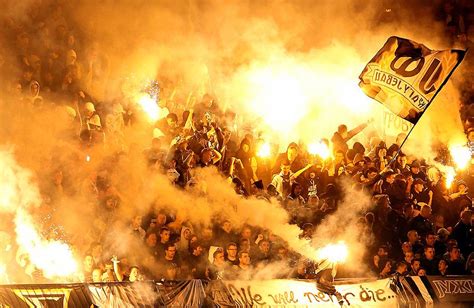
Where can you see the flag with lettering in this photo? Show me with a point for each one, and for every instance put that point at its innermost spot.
(406, 76)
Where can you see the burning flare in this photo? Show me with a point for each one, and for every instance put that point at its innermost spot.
(149, 105)
(54, 258)
(450, 174)
(264, 151)
(334, 252)
(461, 156)
(320, 149)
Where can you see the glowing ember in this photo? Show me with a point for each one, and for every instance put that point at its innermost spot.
(54, 258)
(461, 156)
(88, 158)
(320, 149)
(264, 151)
(450, 174)
(334, 252)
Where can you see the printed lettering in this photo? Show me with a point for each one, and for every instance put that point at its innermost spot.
(402, 69)
(431, 76)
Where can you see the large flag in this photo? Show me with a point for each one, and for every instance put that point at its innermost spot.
(405, 76)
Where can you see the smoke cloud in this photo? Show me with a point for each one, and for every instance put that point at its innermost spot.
(293, 65)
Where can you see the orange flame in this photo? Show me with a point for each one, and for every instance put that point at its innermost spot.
(461, 156)
(264, 151)
(18, 194)
(334, 252)
(320, 149)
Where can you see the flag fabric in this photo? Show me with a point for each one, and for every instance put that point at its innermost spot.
(406, 76)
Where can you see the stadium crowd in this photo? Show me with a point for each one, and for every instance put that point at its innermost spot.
(417, 224)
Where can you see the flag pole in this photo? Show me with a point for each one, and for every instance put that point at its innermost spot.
(461, 57)
(401, 145)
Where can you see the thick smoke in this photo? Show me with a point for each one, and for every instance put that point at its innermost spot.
(316, 49)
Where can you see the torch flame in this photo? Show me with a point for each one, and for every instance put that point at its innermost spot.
(461, 156)
(334, 252)
(264, 151)
(149, 105)
(450, 175)
(319, 148)
(54, 258)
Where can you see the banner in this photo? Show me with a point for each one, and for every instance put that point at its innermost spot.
(393, 126)
(293, 293)
(407, 292)
(405, 76)
(453, 289)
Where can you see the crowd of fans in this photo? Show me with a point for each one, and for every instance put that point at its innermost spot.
(417, 224)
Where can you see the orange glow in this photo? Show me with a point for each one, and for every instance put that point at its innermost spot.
(450, 174)
(264, 151)
(334, 252)
(149, 105)
(54, 258)
(461, 156)
(320, 149)
(18, 194)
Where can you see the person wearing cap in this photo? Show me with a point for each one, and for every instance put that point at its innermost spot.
(416, 172)
(420, 193)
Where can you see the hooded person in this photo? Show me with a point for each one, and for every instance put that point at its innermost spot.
(71, 57)
(246, 155)
(34, 95)
(92, 118)
(72, 65)
(94, 124)
(292, 154)
(183, 244)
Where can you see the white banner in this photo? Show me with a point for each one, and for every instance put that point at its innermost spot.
(291, 293)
